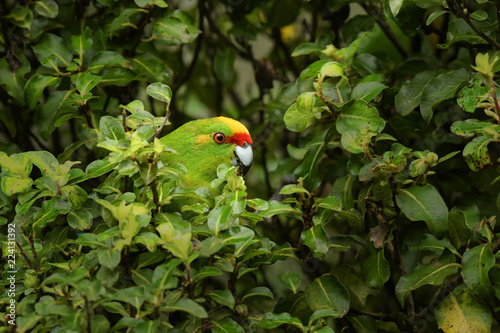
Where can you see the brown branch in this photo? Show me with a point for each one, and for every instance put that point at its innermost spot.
(278, 39)
(457, 10)
(386, 28)
(156, 198)
(197, 48)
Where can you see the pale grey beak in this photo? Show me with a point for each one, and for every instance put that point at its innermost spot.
(243, 158)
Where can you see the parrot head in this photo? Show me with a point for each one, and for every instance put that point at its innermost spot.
(202, 145)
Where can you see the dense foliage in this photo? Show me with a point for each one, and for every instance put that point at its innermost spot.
(370, 206)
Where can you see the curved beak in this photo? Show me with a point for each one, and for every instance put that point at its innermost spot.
(243, 158)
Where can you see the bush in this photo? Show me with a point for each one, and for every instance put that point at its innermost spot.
(370, 206)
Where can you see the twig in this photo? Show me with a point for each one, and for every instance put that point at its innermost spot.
(156, 198)
(278, 39)
(144, 20)
(159, 129)
(386, 29)
(87, 315)
(85, 110)
(393, 247)
(25, 257)
(456, 9)
(241, 52)
(197, 48)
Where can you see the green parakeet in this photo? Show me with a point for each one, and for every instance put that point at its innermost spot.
(203, 144)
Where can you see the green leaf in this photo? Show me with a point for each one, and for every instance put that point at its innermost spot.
(99, 323)
(45, 161)
(306, 48)
(146, 3)
(238, 234)
(317, 240)
(160, 91)
(163, 276)
(111, 128)
(431, 243)
(115, 307)
(476, 264)
(80, 219)
(395, 6)
(460, 31)
(51, 209)
(304, 112)
(331, 203)
(219, 219)
(276, 208)
(81, 43)
(223, 297)
(206, 271)
(469, 128)
(376, 268)
(152, 67)
(357, 288)
(99, 167)
(117, 76)
(226, 325)
(21, 16)
(85, 82)
(410, 94)
(470, 97)
(109, 257)
(47, 8)
(172, 30)
(189, 306)
(36, 85)
(476, 153)
(463, 313)
(15, 164)
(318, 314)
(293, 188)
(434, 15)
(326, 292)
(107, 59)
(368, 90)
(14, 185)
(258, 291)
(291, 280)
(424, 203)
(54, 112)
(364, 324)
(439, 89)
(53, 46)
(272, 320)
(479, 15)
(359, 117)
(224, 67)
(434, 274)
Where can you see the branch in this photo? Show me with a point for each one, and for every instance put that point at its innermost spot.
(241, 52)
(197, 49)
(456, 9)
(386, 29)
(278, 39)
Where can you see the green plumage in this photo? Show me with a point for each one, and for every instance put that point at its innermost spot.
(197, 150)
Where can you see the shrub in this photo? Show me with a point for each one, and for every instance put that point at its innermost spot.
(370, 206)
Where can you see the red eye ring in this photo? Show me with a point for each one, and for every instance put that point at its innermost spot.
(219, 138)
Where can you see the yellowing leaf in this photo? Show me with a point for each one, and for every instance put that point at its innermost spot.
(463, 313)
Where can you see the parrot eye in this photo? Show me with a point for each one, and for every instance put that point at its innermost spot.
(219, 137)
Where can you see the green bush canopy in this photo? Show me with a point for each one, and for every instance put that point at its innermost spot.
(370, 206)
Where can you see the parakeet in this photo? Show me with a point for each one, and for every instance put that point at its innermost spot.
(203, 144)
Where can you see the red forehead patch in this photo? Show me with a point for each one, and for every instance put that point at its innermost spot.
(240, 139)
